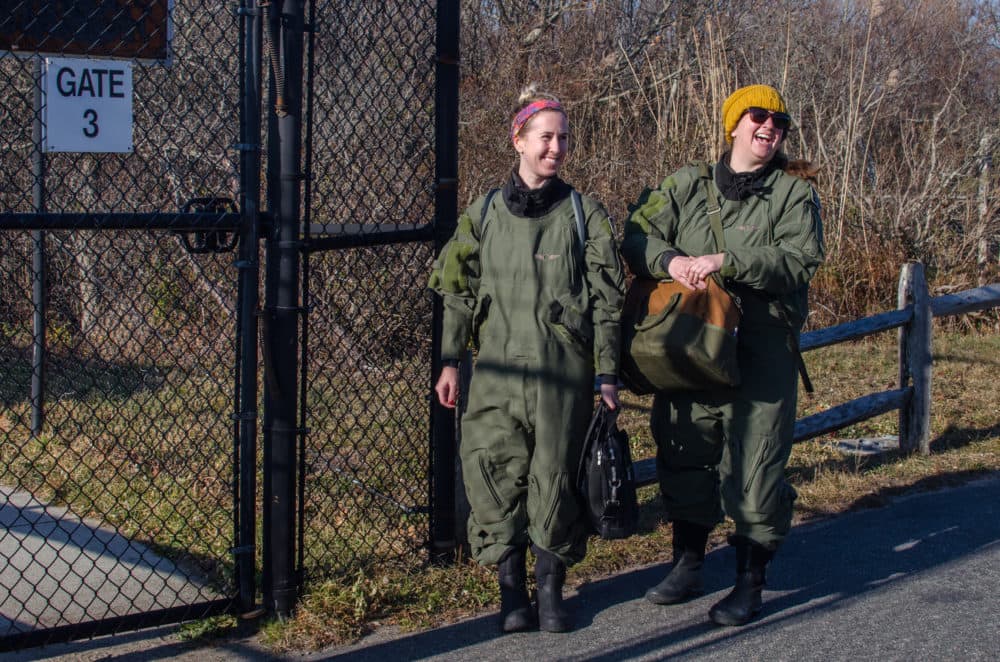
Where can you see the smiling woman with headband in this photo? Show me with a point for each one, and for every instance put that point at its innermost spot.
(723, 451)
(533, 279)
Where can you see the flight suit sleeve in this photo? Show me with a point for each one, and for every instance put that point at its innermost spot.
(606, 283)
(790, 262)
(650, 230)
(455, 276)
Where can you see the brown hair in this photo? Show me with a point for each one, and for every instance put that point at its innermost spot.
(802, 168)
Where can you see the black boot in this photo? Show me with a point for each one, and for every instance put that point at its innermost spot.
(550, 575)
(684, 579)
(516, 614)
(743, 602)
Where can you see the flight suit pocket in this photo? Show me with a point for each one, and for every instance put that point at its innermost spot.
(552, 502)
(573, 326)
(479, 316)
(486, 471)
(752, 464)
(482, 485)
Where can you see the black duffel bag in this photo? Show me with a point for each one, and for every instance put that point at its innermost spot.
(606, 480)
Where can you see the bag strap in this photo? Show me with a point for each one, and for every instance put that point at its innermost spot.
(486, 208)
(599, 422)
(581, 227)
(803, 371)
(714, 209)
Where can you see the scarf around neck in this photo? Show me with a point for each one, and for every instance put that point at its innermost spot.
(741, 185)
(533, 203)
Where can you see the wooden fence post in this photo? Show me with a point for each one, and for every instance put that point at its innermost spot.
(915, 360)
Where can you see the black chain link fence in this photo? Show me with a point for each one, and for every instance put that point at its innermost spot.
(366, 461)
(117, 480)
(128, 357)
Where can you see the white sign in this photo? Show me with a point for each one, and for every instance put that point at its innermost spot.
(87, 105)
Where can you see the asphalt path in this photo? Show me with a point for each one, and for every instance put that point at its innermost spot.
(58, 568)
(918, 579)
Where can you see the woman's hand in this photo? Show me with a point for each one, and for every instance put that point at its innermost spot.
(447, 387)
(693, 272)
(609, 393)
(680, 270)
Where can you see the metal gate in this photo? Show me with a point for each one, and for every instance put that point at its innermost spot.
(121, 314)
(132, 489)
(381, 155)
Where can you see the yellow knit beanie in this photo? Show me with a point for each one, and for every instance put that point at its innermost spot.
(761, 96)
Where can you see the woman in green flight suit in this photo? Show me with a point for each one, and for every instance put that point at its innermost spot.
(541, 300)
(725, 450)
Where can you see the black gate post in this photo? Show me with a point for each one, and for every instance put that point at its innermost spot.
(249, 271)
(442, 523)
(285, 31)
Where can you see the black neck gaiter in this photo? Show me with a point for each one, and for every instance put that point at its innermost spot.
(533, 202)
(741, 185)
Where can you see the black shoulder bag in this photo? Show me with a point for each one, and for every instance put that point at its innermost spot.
(606, 479)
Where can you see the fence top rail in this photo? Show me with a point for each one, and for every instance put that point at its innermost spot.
(980, 298)
(855, 329)
(177, 221)
(967, 301)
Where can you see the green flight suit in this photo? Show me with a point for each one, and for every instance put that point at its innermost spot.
(544, 315)
(725, 450)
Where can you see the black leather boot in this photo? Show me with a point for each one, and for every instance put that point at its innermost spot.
(683, 582)
(550, 575)
(516, 614)
(743, 602)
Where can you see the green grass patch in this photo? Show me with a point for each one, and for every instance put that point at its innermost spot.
(206, 629)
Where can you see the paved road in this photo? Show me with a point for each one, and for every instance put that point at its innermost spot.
(56, 568)
(918, 579)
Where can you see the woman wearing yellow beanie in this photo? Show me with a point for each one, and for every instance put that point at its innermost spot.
(723, 451)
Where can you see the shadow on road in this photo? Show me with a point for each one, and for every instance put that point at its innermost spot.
(821, 567)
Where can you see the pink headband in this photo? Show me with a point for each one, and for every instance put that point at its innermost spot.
(529, 111)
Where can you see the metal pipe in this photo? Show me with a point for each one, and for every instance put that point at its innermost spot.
(442, 420)
(306, 303)
(249, 270)
(283, 261)
(38, 353)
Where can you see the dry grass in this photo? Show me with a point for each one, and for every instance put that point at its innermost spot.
(966, 444)
(965, 424)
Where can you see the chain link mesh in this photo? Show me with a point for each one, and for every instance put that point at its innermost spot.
(368, 355)
(372, 90)
(366, 461)
(123, 501)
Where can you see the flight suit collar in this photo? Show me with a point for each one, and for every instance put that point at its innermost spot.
(741, 185)
(533, 203)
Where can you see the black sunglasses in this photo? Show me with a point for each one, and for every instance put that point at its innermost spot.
(759, 116)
